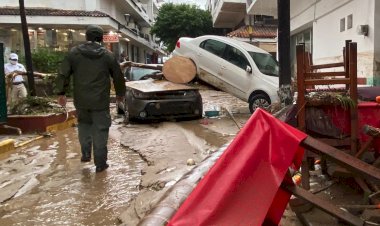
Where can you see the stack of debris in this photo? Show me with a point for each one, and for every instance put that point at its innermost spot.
(36, 106)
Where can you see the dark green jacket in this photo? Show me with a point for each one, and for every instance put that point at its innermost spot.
(91, 67)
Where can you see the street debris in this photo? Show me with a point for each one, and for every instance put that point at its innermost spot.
(33, 105)
(190, 162)
(314, 99)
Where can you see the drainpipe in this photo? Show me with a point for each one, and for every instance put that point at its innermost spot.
(283, 10)
(28, 54)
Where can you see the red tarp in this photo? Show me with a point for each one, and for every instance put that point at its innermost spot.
(368, 114)
(243, 186)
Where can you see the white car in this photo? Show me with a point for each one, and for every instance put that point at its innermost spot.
(236, 67)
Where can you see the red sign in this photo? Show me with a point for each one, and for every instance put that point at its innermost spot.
(110, 38)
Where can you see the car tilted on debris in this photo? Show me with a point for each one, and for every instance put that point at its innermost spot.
(236, 67)
(150, 99)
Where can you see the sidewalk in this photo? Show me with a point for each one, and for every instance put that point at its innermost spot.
(11, 142)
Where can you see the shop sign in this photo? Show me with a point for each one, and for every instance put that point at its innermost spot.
(111, 38)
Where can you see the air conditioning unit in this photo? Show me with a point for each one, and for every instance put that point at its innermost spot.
(363, 30)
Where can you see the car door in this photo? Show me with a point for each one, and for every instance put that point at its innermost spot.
(234, 73)
(210, 60)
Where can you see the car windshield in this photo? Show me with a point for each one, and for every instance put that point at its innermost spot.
(137, 73)
(266, 63)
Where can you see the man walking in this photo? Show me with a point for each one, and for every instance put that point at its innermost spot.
(13, 72)
(91, 66)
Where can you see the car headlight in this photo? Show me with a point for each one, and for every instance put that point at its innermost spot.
(140, 95)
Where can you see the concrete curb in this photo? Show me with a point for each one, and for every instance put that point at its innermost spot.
(7, 145)
(10, 144)
(63, 125)
(28, 141)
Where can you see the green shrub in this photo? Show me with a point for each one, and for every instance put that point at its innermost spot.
(46, 60)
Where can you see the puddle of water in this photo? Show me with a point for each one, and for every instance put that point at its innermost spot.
(70, 192)
(205, 135)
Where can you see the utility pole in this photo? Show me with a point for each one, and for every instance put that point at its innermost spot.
(283, 10)
(3, 95)
(28, 54)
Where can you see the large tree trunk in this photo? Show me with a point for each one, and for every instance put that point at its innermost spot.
(179, 70)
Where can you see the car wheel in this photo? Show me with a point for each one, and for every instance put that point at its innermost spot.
(258, 100)
(120, 111)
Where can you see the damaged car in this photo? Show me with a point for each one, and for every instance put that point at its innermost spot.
(138, 73)
(156, 99)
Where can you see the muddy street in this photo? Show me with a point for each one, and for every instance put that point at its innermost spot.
(44, 183)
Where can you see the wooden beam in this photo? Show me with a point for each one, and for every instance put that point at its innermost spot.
(351, 163)
(323, 205)
(327, 81)
(354, 96)
(325, 74)
(322, 66)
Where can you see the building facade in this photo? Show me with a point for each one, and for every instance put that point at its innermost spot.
(60, 25)
(256, 25)
(325, 25)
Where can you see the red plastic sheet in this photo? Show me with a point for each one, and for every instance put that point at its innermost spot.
(243, 186)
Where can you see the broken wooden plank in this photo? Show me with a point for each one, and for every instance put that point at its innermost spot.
(348, 161)
(371, 131)
(323, 205)
(336, 142)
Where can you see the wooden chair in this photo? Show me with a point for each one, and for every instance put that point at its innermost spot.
(307, 76)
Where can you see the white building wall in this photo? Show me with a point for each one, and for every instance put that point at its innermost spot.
(324, 17)
(107, 7)
(326, 28)
(90, 5)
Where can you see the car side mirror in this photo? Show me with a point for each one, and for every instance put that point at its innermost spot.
(248, 69)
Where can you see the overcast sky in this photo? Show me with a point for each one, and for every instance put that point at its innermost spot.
(200, 3)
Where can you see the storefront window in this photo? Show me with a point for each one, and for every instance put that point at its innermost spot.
(55, 39)
(12, 40)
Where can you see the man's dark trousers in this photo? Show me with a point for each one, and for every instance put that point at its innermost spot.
(93, 128)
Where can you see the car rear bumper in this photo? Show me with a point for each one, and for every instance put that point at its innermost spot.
(160, 109)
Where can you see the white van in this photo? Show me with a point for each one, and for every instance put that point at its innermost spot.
(236, 67)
